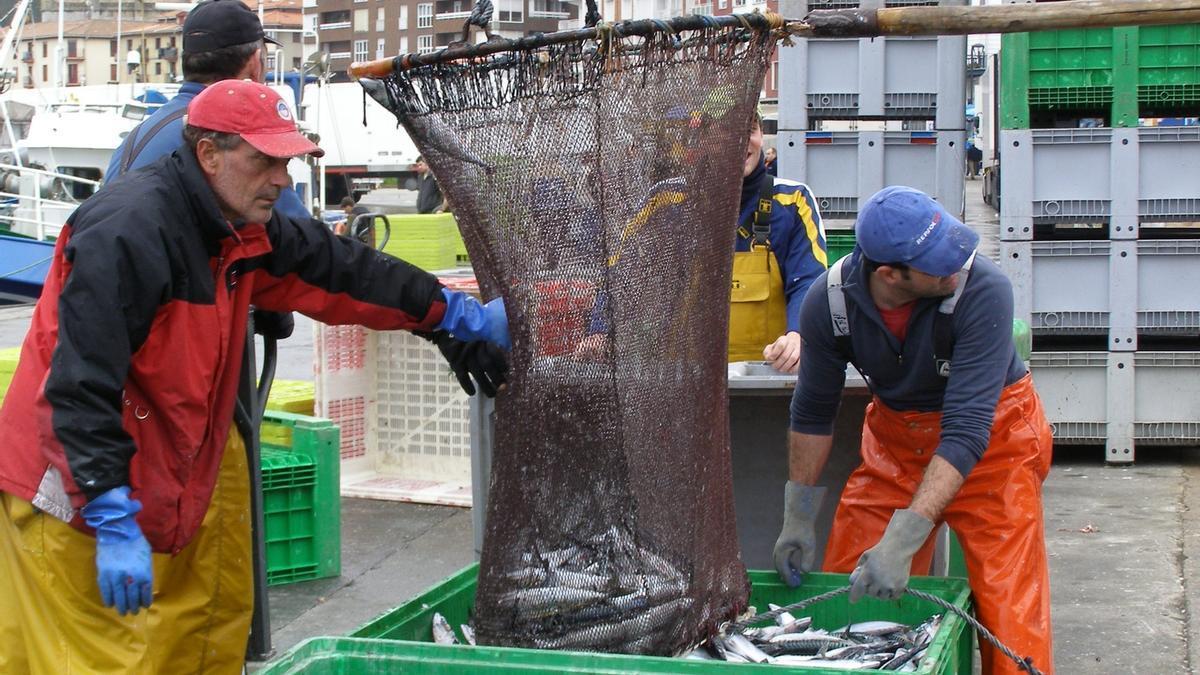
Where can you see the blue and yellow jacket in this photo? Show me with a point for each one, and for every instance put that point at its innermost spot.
(797, 237)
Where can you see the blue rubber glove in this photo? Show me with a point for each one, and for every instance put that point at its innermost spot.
(468, 320)
(122, 554)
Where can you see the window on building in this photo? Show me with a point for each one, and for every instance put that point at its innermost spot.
(380, 18)
(403, 45)
(402, 22)
(425, 15)
(172, 43)
(361, 19)
(296, 37)
(158, 43)
(129, 46)
(43, 50)
(296, 63)
(45, 73)
(380, 48)
(271, 62)
(112, 48)
(510, 11)
(360, 50)
(424, 44)
(158, 67)
(72, 73)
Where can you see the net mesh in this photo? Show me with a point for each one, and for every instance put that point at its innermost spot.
(596, 188)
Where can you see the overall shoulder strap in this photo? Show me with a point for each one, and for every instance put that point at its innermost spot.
(837, 308)
(761, 223)
(131, 152)
(943, 322)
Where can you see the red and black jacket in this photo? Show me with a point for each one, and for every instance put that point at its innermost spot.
(129, 373)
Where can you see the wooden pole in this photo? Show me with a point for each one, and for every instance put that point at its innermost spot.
(995, 18)
(851, 23)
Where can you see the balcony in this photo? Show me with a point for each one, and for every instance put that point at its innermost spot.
(340, 56)
(453, 15)
(334, 25)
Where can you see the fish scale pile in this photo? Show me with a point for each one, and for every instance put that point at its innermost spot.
(792, 642)
(870, 645)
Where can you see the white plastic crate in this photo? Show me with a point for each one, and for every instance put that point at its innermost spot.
(1121, 289)
(421, 426)
(844, 168)
(1120, 398)
(343, 384)
(892, 78)
(1121, 178)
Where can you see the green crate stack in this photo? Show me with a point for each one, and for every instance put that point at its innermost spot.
(301, 497)
(429, 241)
(403, 635)
(838, 244)
(294, 396)
(8, 364)
(1120, 73)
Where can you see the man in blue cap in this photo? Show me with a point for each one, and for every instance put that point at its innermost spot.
(955, 432)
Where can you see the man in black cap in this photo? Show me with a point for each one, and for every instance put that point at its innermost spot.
(222, 40)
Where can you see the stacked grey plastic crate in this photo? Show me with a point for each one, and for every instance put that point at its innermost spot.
(1097, 234)
(919, 79)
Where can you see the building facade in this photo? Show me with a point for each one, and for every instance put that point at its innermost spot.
(362, 30)
(98, 50)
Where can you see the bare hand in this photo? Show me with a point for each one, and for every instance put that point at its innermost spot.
(592, 347)
(784, 354)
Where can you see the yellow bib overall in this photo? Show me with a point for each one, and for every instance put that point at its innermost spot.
(757, 306)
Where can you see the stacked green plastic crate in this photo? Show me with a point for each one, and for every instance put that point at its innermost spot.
(301, 497)
(429, 241)
(1100, 228)
(1117, 73)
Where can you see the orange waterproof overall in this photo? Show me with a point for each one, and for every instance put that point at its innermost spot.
(997, 515)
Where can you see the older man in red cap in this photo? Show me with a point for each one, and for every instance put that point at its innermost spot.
(122, 480)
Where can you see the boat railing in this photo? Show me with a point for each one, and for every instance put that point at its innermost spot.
(42, 228)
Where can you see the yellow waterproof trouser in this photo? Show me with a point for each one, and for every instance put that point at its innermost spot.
(52, 621)
(757, 306)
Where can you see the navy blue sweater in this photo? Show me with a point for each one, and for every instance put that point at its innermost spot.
(903, 375)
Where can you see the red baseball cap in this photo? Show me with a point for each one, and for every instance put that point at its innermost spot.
(253, 111)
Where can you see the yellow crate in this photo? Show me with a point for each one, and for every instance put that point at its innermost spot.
(293, 396)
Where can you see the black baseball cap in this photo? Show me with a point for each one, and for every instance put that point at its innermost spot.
(215, 24)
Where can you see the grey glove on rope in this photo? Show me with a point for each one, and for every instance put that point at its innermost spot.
(882, 571)
(796, 548)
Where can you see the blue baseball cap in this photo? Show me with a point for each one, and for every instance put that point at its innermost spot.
(900, 224)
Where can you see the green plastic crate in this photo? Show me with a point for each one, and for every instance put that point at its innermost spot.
(403, 635)
(8, 365)
(428, 240)
(1121, 73)
(301, 498)
(838, 244)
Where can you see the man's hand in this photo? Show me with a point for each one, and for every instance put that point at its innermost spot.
(784, 354)
(883, 571)
(123, 569)
(796, 548)
(483, 360)
(593, 347)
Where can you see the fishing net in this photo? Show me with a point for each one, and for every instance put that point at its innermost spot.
(596, 185)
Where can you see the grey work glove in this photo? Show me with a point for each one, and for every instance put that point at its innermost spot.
(882, 571)
(796, 548)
